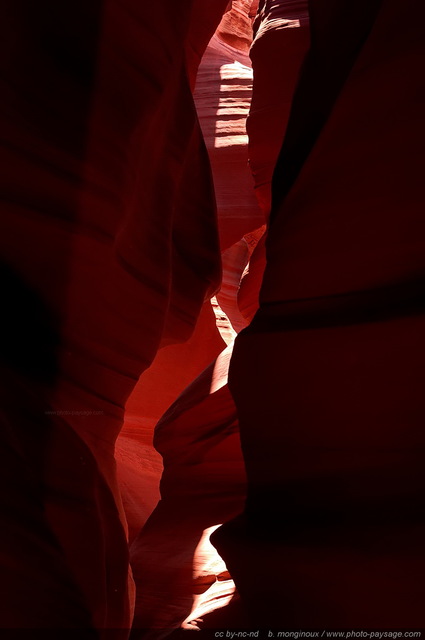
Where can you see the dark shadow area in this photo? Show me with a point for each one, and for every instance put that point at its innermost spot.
(29, 334)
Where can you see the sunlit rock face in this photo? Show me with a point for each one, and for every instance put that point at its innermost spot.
(174, 368)
(333, 528)
(235, 27)
(203, 484)
(180, 576)
(222, 97)
(204, 476)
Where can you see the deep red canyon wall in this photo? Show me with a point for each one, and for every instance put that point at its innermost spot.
(332, 365)
(100, 136)
(110, 247)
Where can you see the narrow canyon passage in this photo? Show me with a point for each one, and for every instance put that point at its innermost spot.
(181, 577)
(212, 242)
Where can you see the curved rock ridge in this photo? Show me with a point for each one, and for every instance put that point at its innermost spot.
(186, 435)
(281, 41)
(203, 480)
(222, 92)
(156, 390)
(235, 27)
(203, 485)
(223, 124)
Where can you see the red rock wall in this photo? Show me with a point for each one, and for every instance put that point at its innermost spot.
(203, 483)
(281, 40)
(332, 365)
(110, 247)
(104, 166)
(235, 26)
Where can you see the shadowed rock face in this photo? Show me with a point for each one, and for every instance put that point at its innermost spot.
(331, 365)
(119, 194)
(104, 167)
(281, 41)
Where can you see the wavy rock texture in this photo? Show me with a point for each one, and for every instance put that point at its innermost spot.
(222, 98)
(175, 367)
(110, 249)
(203, 483)
(235, 27)
(198, 437)
(100, 135)
(332, 364)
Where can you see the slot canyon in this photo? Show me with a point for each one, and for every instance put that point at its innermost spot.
(213, 317)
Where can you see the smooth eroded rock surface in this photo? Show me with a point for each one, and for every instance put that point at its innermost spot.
(331, 366)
